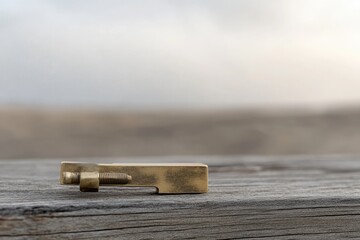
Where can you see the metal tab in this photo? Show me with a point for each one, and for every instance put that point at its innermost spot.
(167, 178)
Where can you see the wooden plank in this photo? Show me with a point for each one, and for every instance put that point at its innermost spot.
(249, 197)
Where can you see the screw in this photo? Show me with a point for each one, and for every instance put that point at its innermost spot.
(104, 178)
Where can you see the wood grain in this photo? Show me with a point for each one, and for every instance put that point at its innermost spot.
(302, 197)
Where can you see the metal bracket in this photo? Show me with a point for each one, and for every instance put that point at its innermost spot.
(167, 178)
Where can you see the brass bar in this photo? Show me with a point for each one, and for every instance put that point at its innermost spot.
(167, 178)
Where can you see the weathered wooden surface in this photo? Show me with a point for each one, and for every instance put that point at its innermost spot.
(250, 197)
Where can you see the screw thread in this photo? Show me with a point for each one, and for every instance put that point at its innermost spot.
(114, 178)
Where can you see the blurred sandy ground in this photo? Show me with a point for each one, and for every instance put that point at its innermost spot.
(45, 133)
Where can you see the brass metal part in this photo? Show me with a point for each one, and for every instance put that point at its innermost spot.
(167, 178)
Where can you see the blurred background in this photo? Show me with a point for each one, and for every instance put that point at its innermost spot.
(91, 78)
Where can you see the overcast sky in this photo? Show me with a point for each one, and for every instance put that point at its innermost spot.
(140, 54)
